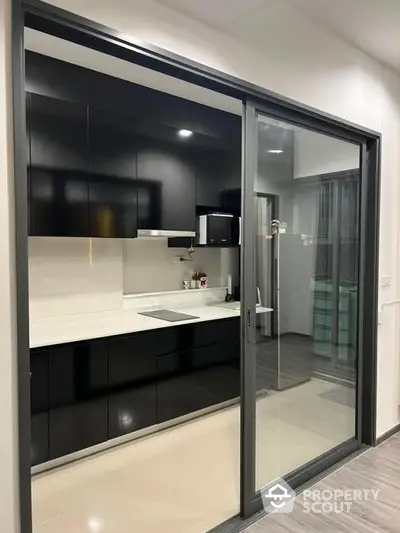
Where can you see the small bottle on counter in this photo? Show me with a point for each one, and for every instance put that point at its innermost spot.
(186, 284)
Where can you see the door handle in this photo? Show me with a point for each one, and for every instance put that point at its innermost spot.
(249, 318)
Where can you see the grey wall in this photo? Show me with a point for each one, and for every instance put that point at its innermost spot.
(275, 176)
(298, 207)
(298, 260)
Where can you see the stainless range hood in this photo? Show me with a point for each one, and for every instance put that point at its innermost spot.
(163, 234)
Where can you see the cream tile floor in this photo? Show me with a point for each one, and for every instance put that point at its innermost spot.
(186, 479)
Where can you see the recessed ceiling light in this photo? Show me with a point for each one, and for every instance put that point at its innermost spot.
(274, 151)
(185, 133)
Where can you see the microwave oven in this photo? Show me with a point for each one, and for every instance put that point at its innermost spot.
(218, 229)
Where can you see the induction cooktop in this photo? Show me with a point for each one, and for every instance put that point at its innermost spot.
(169, 316)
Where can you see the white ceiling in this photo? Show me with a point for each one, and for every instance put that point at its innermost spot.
(371, 25)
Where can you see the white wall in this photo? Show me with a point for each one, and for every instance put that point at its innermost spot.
(69, 276)
(8, 371)
(316, 154)
(297, 59)
(73, 275)
(148, 266)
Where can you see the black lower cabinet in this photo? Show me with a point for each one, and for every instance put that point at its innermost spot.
(85, 393)
(76, 427)
(132, 382)
(78, 397)
(39, 406)
(131, 410)
(196, 379)
(39, 438)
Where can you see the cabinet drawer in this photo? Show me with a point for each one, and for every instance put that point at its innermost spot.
(230, 330)
(133, 358)
(187, 393)
(195, 379)
(180, 395)
(218, 331)
(186, 361)
(205, 333)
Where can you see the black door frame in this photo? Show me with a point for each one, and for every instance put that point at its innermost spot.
(60, 23)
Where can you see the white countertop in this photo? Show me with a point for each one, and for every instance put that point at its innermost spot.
(79, 327)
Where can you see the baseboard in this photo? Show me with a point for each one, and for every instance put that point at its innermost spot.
(388, 434)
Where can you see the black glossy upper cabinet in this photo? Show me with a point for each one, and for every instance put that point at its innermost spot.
(112, 181)
(232, 194)
(166, 186)
(210, 177)
(58, 168)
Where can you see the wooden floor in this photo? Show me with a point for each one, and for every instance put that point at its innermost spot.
(378, 468)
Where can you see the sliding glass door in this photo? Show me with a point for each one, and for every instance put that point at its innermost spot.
(300, 268)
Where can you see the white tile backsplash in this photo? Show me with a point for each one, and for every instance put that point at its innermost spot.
(71, 275)
(74, 275)
(149, 266)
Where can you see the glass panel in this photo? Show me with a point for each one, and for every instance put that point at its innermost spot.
(306, 197)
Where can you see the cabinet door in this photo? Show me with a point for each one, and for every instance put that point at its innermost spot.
(112, 184)
(166, 187)
(78, 397)
(39, 381)
(39, 406)
(131, 409)
(210, 177)
(39, 438)
(58, 171)
(182, 388)
(232, 193)
(132, 383)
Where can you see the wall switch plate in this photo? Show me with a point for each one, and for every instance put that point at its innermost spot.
(385, 281)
